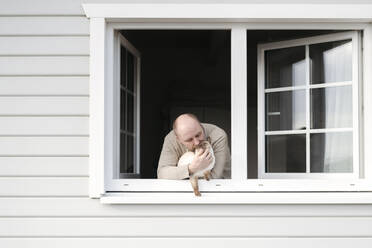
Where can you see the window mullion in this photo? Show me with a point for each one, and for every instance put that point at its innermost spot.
(355, 98)
(239, 103)
(307, 109)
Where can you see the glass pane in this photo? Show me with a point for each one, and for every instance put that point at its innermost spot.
(286, 153)
(130, 115)
(331, 107)
(285, 67)
(331, 152)
(123, 102)
(124, 165)
(130, 71)
(130, 154)
(331, 62)
(286, 110)
(123, 66)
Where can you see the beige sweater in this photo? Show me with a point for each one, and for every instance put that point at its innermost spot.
(173, 150)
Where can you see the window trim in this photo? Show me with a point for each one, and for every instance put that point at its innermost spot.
(233, 198)
(172, 16)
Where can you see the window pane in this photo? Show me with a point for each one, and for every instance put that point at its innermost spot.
(331, 62)
(123, 102)
(286, 153)
(123, 66)
(286, 110)
(285, 67)
(331, 107)
(130, 154)
(331, 152)
(125, 166)
(130, 116)
(130, 71)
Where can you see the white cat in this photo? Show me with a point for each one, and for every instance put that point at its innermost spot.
(187, 158)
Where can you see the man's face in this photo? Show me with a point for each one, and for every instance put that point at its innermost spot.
(190, 135)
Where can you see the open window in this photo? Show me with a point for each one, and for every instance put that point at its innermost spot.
(308, 107)
(160, 74)
(292, 97)
(303, 100)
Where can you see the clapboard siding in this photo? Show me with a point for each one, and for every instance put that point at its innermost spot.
(43, 186)
(44, 125)
(47, 25)
(188, 227)
(187, 242)
(44, 105)
(85, 207)
(44, 157)
(39, 146)
(47, 85)
(45, 45)
(42, 7)
(53, 65)
(43, 166)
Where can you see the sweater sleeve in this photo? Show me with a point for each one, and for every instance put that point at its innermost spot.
(167, 167)
(221, 151)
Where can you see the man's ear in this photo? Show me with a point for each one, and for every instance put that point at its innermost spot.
(209, 139)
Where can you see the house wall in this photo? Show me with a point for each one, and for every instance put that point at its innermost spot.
(44, 113)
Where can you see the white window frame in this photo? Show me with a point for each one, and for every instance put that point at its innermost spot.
(354, 36)
(239, 18)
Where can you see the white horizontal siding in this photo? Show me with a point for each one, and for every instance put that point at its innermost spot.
(44, 45)
(187, 242)
(44, 114)
(54, 65)
(23, 85)
(44, 105)
(43, 186)
(43, 125)
(46, 25)
(42, 7)
(188, 227)
(43, 166)
(85, 207)
(39, 146)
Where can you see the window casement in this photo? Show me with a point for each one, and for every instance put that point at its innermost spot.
(127, 109)
(316, 80)
(308, 107)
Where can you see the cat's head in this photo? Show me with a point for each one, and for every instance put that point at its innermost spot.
(203, 145)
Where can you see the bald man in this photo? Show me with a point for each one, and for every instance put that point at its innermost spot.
(187, 133)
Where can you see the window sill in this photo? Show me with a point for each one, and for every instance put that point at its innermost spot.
(239, 198)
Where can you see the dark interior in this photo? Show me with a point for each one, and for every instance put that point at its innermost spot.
(181, 71)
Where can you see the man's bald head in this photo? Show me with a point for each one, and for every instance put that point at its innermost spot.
(188, 130)
(185, 120)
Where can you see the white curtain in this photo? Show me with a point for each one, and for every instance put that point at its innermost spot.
(338, 108)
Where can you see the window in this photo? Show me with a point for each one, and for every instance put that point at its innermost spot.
(179, 71)
(128, 101)
(295, 103)
(308, 107)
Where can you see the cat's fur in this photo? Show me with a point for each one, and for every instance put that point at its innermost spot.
(187, 158)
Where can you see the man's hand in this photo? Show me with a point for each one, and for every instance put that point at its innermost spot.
(200, 161)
